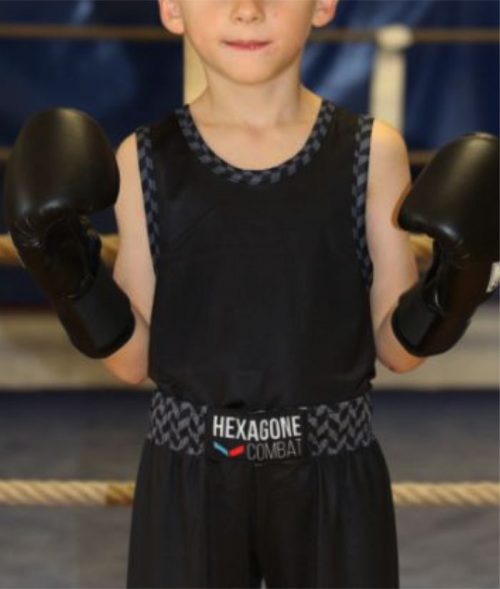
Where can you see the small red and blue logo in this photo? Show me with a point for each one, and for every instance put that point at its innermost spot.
(231, 453)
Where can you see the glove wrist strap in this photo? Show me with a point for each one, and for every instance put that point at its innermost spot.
(101, 321)
(421, 328)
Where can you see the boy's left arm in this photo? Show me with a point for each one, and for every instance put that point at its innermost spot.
(394, 264)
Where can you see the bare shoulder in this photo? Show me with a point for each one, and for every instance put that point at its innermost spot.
(133, 269)
(389, 174)
(388, 147)
(394, 263)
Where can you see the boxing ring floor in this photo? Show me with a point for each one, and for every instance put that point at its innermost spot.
(431, 429)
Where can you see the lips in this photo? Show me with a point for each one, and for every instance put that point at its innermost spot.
(252, 44)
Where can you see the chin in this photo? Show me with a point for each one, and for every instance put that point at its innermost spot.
(249, 74)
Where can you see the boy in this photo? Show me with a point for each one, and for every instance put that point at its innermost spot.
(230, 525)
(247, 288)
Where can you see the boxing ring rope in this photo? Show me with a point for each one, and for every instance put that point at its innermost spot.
(148, 34)
(421, 245)
(391, 41)
(9, 257)
(120, 493)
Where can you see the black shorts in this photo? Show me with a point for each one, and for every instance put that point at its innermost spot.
(300, 498)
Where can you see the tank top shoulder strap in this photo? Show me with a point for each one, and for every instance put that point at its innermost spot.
(149, 190)
(153, 140)
(362, 141)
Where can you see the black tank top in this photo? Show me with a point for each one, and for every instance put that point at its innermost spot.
(262, 276)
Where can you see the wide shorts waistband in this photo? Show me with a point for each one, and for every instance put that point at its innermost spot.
(289, 432)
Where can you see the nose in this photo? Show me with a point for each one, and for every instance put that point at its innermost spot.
(247, 10)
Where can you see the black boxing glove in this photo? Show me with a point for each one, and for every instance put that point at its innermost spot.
(455, 201)
(61, 169)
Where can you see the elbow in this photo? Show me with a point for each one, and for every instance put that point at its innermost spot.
(135, 378)
(393, 366)
(397, 369)
(396, 358)
(406, 365)
(391, 352)
(130, 373)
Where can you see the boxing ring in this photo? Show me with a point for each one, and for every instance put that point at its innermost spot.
(386, 102)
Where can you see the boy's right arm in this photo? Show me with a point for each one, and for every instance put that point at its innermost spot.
(133, 269)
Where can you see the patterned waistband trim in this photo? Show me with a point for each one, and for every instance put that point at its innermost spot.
(346, 425)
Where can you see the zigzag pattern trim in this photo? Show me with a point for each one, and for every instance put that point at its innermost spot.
(343, 426)
(360, 178)
(256, 177)
(149, 191)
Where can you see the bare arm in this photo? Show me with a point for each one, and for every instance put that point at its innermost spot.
(133, 268)
(394, 264)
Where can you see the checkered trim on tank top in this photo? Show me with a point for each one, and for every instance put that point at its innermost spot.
(343, 426)
(359, 186)
(254, 177)
(360, 177)
(149, 190)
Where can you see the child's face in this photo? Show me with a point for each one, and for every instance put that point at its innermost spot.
(210, 24)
